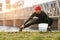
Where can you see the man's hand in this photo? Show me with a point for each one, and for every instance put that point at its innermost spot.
(22, 26)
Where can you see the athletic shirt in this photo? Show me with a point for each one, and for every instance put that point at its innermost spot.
(41, 16)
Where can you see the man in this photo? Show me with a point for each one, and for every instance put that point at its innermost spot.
(37, 17)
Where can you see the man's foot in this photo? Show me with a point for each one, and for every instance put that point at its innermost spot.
(21, 29)
(49, 29)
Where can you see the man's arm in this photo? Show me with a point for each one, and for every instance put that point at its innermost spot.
(29, 18)
(46, 16)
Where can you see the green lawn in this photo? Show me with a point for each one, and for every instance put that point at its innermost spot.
(30, 36)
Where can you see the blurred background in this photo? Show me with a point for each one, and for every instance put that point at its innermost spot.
(15, 12)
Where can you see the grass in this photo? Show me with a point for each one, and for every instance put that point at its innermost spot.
(30, 36)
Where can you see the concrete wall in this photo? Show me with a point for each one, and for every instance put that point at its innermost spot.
(17, 22)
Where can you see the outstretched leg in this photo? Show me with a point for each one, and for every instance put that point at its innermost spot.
(32, 22)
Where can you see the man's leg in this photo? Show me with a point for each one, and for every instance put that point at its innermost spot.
(49, 24)
(32, 22)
